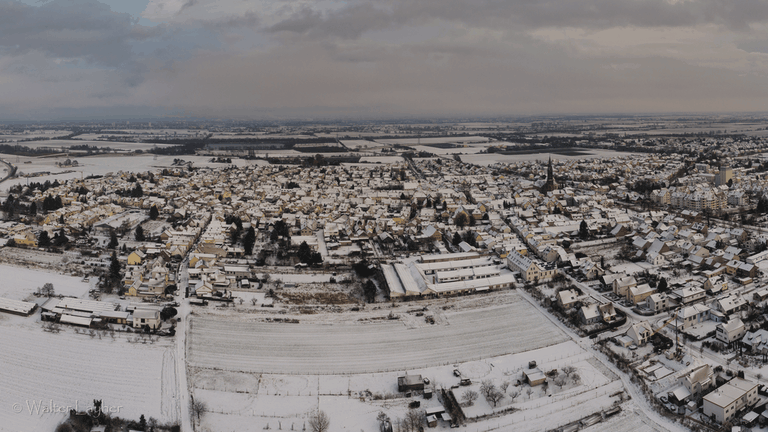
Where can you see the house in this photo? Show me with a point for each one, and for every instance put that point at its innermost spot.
(730, 331)
(589, 314)
(756, 341)
(692, 315)
(136, 257)
(688, 294)
(699, 381)
(146, 317)
(529, 268)
(730, 304)
(723, 404)
(622, 285)
(410, 383)
(639, 293)
(657, 303)
(567, 298)
(640, 332)
(608, 312)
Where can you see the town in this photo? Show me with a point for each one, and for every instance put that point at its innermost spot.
(559, 274)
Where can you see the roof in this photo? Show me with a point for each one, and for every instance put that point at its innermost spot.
(16, 306)
(730, 392)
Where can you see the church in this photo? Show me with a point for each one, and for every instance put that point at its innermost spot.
(550, 184)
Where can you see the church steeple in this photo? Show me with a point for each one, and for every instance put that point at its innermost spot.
(550, 184)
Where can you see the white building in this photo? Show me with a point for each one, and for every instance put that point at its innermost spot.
(724, 403)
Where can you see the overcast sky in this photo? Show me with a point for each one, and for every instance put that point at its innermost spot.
(253, 59)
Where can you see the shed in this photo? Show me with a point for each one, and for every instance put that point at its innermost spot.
(410, 382)
(17, 307)
(535, 376)
(432, 421)
(76, 320)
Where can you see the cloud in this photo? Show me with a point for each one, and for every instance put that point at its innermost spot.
(84, 29)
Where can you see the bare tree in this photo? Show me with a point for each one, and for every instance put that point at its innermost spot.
(529, 391)
(494, 397)
(486, 387)
(413, 420)
(560, 381)
(576, 378)
(198, 408)
(504, 386)
(514, 394)
(568, 370)
(469, 397)
(319, 421)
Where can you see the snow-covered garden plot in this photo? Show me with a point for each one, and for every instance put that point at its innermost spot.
(387, 345)
(68, 368)
(26, 282)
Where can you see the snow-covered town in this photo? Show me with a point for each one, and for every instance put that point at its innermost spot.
(384, 277)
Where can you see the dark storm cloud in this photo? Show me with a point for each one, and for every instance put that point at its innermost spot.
(353, 20)
(83, 29)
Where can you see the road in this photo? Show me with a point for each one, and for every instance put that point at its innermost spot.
(182, 280)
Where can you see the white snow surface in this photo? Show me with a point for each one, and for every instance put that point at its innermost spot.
(370, 347)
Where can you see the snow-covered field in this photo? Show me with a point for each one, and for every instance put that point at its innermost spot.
(26, 282)
(100, 165)
(66, 369)
(253, 401)
(384, 346)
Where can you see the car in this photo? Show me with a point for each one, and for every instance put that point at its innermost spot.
(426, 381)
(663, 399)
(456, 373)
(465, 382)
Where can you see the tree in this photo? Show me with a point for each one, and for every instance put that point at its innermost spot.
(456, 239)
(114, 266)
(472, 220)
(43, 240)
(319, 421)
(198, 408)
(140, 234)
(469, 397)
(33, 209)
(461, 220)
(559, 381)
(369, 290)
(662, 287)
(583, 230)
(153, 212)
(304, 253)
(576, 378)
(504, 386)
(113, 243)
(413, 420)
(494, 397)
(249, 240)
(47, 290)
(486, 387)
(568, 370)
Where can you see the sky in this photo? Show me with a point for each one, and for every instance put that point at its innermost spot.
(273, 59)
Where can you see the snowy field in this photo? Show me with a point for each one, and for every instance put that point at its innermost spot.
(64, 145)
(26, 282)
(101, 165)
(68, 368)
(435, 140)
(252, 401)
(360, 348)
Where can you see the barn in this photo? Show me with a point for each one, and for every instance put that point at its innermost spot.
(16, 307)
